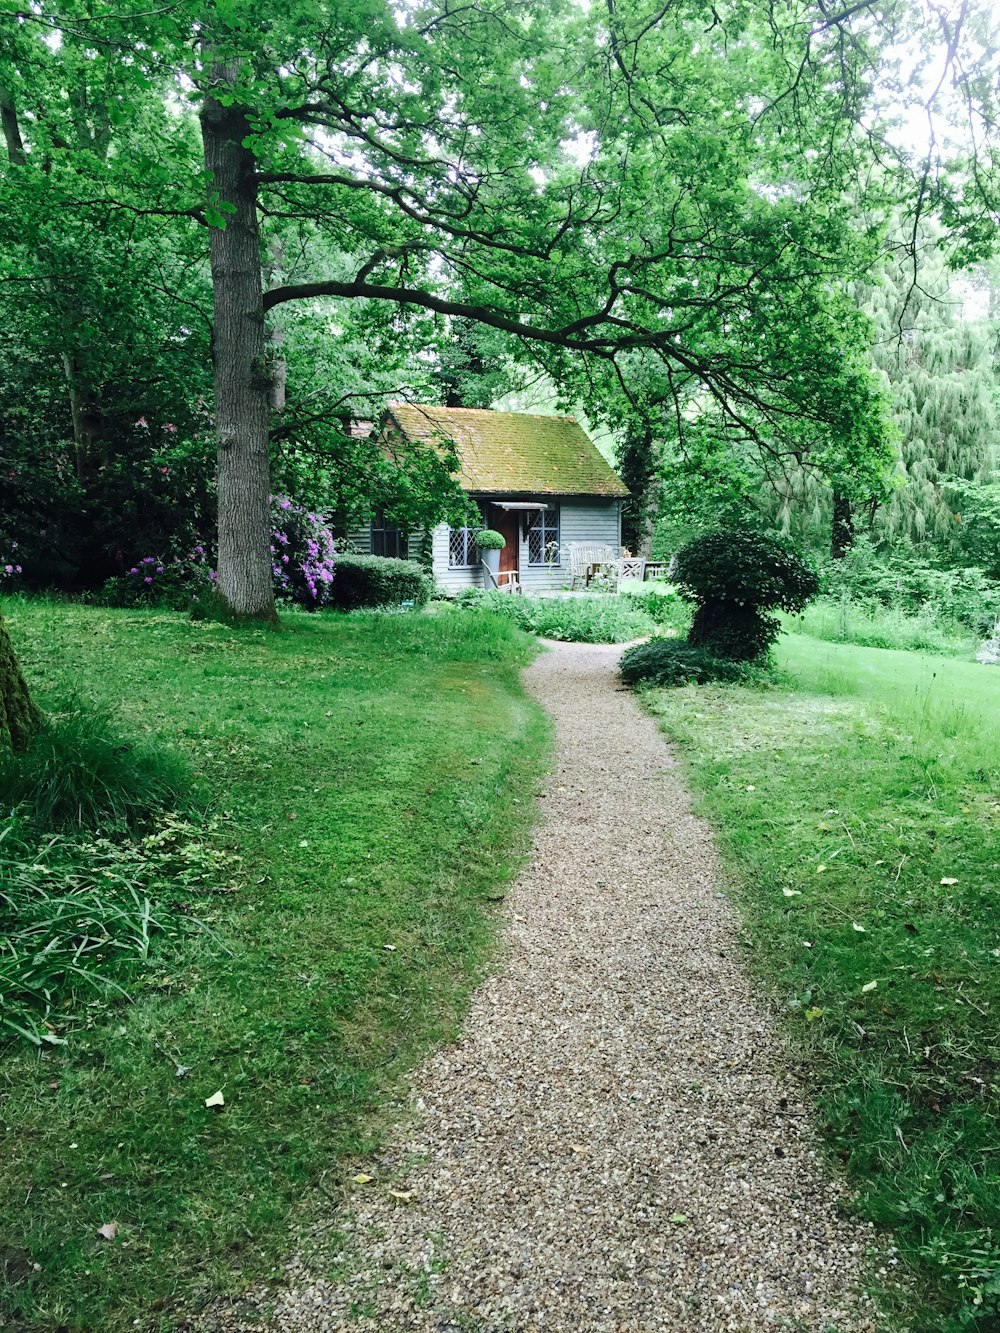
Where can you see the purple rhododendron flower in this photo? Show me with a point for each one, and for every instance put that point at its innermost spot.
(147, 579)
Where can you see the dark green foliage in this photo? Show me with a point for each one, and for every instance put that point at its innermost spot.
(901, 580)
(639, 469)
(176, 584)
(735, 579)
(975, 517)
(373, 580)
(78, 772)
(666, 662)
(571, 619)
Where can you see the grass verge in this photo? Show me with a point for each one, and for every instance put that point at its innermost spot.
(859, 816)
(374, 774)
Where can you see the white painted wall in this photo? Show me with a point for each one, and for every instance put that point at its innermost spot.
(592, 521)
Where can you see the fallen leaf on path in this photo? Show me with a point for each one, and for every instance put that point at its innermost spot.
(579, 1149)
(946, 880)
(216, 1099)
(109, 1230)
(860, 929)
(869, 985)
(792, 893)
(362, 1179)
(678, 1219)
(404, 1196)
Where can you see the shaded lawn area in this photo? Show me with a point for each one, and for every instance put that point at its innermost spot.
(375, 774)
(858, 811)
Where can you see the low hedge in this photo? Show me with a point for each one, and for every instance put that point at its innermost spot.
(673, 662)
(374, 580)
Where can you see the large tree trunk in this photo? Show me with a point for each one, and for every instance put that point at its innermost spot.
(18, 715)
(842, 534)
(242, 380)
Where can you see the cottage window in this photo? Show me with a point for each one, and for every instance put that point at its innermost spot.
(462, 550)
(543, 537)
(387, 539)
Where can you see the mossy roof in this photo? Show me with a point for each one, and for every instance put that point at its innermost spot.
(513, 453)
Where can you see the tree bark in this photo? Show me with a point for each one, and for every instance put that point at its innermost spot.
(244, 584)
(842, 531)
(18, 715)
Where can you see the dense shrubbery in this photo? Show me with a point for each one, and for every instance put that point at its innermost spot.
(666, 662)
(573, 619)
(374, 580)
(963, 596)
(736, 580)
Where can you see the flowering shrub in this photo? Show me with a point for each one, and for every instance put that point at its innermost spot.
(153, 582)
(302, 555)
(10, 571)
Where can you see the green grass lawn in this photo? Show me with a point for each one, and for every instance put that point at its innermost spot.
(858, 810)
(374, 774)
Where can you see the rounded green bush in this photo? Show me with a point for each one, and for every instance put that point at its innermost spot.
(735, 580)
(366, 581)
(488, 539)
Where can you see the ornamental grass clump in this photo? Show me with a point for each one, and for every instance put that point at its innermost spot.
(77, 772)
(737, 580)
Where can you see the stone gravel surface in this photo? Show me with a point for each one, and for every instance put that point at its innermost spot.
(618, 1142)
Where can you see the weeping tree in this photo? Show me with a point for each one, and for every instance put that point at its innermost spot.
(937, 358)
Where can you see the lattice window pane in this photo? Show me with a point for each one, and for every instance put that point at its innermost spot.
(543, 537)
(461, 548)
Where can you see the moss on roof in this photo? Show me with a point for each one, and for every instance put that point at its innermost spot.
(513, 453)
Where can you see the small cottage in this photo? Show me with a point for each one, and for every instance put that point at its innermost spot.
(540, 481)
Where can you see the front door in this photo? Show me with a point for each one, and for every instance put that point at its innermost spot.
(508, 525)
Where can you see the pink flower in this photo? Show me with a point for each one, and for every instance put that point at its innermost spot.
(142, 422)
(171, 427)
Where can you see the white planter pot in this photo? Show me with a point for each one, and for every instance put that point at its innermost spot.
(491, 559)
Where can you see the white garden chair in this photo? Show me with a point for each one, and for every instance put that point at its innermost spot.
(505, 581)
(583, 555)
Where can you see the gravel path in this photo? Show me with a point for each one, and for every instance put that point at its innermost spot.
(616, 1144)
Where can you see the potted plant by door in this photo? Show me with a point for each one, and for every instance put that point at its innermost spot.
(490, 544)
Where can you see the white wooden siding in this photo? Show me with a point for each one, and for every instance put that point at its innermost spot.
(592, 521)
